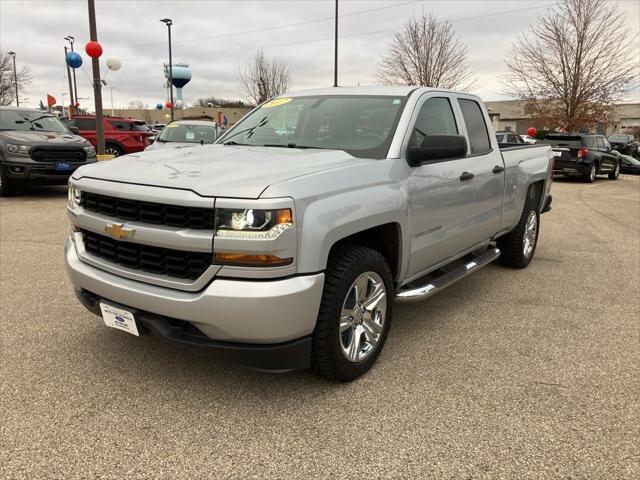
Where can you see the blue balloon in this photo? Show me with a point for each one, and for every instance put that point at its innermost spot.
(158, 106)
(74, 60)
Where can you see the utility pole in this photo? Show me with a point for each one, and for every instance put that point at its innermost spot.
(111, 88)
(168, 22)
(15, 77)
(66, 51)
(97, 84)
(74, 100)
(335, 54)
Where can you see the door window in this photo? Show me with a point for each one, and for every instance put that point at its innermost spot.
(434, 118)
(476, 126)
(85, 123)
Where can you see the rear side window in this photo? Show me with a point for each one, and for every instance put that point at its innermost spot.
(85, 123)
(434, 118)
(120, 125)
(476, 127)
(591, 142)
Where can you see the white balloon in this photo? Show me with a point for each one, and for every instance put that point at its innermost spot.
(114, 63)
(179, 103)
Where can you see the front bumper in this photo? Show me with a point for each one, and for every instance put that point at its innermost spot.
(28, 171)
(240, 311)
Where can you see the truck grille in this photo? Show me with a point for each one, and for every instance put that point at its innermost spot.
(162, 261)
(51, 154)
(147, 212)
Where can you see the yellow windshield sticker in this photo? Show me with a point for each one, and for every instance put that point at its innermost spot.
(171, 126)
(276, 103)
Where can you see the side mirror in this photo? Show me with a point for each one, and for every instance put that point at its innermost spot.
(437, 147)
(74, 130)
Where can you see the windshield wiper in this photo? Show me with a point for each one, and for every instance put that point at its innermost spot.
(261, 123)
(290, 145)
(233, 142)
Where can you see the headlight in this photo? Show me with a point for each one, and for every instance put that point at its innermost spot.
(252, 223)
(18, 149)
(74, 196)
(90, 151)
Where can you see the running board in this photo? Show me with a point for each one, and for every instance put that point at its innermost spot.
(442, 282)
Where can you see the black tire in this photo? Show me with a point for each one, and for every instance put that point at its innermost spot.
(116, 150)
(345, 265)
(511, 245)
(616, 172)
(590, 175)
(7, 188)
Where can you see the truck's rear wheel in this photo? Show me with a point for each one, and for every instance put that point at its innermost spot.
(590, 175)
(518, 246)
(355, 313)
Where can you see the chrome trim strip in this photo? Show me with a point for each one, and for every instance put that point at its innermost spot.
(138, 275)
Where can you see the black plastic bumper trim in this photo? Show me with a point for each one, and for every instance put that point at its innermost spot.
(287, 356)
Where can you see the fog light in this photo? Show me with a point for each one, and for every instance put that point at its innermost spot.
(17, 169)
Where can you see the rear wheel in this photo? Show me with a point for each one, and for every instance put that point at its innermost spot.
(7, 188)
(518, 246)
(355, 313)
(112, 149)
(590, 176)
(616, 172)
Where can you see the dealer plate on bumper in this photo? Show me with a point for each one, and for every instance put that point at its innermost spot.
(118, 318)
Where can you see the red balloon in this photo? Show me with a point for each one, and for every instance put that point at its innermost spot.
(169, 105)
(532, 132)
(77, 104)
(93, 49)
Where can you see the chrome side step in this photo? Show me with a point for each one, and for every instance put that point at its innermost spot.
(442, 282)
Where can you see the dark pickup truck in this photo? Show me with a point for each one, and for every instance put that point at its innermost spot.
(583, 155)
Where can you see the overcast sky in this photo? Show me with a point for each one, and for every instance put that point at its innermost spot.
(216, 37)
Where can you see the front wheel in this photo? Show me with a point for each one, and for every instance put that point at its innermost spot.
(616, 172)
(518, 246)
(6, 186)
(355, 313)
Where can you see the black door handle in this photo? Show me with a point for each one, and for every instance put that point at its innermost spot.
(498, 169)
(466, 176)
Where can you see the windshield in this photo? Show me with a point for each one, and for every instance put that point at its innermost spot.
(188, 133)
(28, 121)
(360, 125)
(619, 138)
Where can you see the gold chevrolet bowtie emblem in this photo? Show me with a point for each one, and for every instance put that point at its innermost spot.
(117, 231)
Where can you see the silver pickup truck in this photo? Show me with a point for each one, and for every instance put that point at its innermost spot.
(286, 244)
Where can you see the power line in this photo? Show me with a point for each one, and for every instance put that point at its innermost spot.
(266, 29)
(374, 32)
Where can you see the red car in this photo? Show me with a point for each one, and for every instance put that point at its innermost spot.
(121, 135)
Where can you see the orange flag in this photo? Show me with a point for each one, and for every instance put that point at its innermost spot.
(51, 100)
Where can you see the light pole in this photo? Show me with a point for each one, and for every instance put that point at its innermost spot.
(15, 76)
(168, 22)
(71, 39)
(111, 88)
(97, 85)
(62, 96)
(335, 53)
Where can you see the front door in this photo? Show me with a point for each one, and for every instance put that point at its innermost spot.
(441, 201)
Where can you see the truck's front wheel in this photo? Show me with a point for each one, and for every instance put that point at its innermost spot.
(355, 313)
(6, 186)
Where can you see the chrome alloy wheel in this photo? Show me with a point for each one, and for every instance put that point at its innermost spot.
(592, 173)
(112, 151)
(530, 233)
(362, 317)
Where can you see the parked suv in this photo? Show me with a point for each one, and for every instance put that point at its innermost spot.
(35, 147)
(121, 135)
(624, 143)
(583, 155)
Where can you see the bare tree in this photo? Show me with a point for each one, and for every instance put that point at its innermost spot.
(573, 64)
(427, 52)
(7, 79)
(137, 105)
(264, 78)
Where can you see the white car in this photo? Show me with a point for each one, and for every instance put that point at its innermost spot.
(185, 133)
(528, 139)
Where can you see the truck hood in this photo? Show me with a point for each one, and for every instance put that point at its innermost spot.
(34, 138)
(217, 170)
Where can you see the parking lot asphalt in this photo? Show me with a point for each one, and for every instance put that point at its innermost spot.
(508, 374)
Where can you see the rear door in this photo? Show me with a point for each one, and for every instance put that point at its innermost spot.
(487, 166)
(441, 202)
(607, 158)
